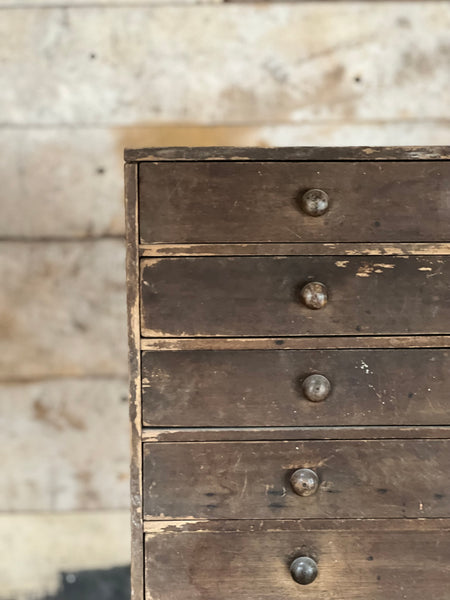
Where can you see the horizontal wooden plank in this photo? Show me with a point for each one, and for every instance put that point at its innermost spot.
(244, 480)
(60, 183)
(259, 434)
(45, 4)
(294, 153)
(314, 249)
(65, 445)
(258, 388)
(62, 309)
(83, 196)
(261, 526)
(54, 547)
(375, 560)
(190, 203)
(368, 65)
(260, 296)
(309, 343)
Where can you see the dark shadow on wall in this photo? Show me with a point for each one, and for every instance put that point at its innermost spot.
(107, 584)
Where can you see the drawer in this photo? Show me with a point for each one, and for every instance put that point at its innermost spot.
(370, 560)
(263, 202)
(333, 479)
(272, 296)
(257, 388)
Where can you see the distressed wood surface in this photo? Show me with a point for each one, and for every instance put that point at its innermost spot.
(298, 526)
(134, 361)
(298, 62)
(300, 249)
(259, 296)
(291, 343)
(267, 434)
(62, 309)
(264, 388)
(63, 446)
(250, 480)
(294, 153)
(190, 203)
(355, 559)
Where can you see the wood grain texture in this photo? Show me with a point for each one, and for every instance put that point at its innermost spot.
(62, 309)
(297, 153)
(300, 249)
(257, 388)
(355, 559)
(267, 434)
(297, 343)
(250, 296)
(297, 63)
(250, 480)
(261, 202)
(134, 361)
(63, 446)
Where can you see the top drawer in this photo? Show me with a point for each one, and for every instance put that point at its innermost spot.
(219, 202)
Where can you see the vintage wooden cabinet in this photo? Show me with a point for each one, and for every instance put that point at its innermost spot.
(289, 323)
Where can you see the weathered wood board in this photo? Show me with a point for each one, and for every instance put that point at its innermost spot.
(251, 480)
(64, 445)
(362, 559)
(260, 388)
(261, 296)
(334, 62)
(62, 309)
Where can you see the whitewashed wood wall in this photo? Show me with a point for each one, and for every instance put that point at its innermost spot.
(81, 79)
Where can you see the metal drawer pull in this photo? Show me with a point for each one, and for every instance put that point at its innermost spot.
(314, 295)
(304, 482)
(304, 570)
(315, 202)
(316, 387)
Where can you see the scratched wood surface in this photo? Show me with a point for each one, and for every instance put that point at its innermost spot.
(355, 559)
(251, 388)
(261, 202)
(227, 336)
(267, 434)
(245, 480)
(260, 296)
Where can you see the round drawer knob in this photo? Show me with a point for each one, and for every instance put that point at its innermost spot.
(304, 570)
(304, 482)
(315, 202)
(314, 295)
(316, 387)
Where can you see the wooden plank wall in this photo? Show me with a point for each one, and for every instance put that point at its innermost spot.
(81, 79)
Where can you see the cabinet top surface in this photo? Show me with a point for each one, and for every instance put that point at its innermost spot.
(301, 153)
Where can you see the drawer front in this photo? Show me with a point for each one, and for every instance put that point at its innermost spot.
(255, 480)
(257, 388)
(272, 296)
(372, 563)
(262, 202)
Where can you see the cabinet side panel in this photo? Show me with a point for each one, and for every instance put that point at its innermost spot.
(131, 210)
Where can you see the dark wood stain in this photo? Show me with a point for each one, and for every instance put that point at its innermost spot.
(259, 388)
(220, 243)
(177, 476)
(254, 563)
(304, 153)
(260, 296)
(261, 202)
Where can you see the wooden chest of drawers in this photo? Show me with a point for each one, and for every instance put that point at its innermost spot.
(289, 322)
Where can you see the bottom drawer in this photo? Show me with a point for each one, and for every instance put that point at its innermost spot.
(251, 560)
